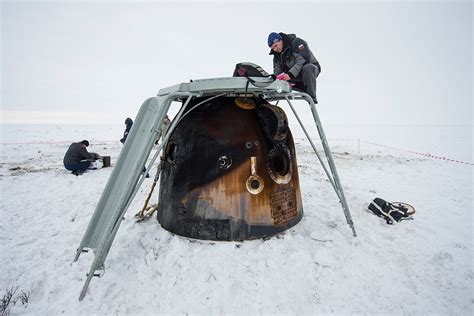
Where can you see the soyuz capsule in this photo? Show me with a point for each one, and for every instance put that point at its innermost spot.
(228, 169)
(230, 172)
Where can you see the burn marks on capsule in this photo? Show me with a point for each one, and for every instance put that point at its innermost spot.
(273, 121)
(211, 187)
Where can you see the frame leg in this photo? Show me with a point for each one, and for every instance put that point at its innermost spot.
(334, 179)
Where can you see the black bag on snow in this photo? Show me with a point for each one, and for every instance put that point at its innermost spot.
(247, 69)
(391, 212)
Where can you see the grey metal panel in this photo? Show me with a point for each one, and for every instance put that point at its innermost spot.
(232, 84)
(124, 181)
(107, 242)
(127, 170)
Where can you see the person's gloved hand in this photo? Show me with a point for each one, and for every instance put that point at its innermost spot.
(97, 156)
(283, 76)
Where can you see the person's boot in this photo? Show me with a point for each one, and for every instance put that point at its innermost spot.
(77, 172)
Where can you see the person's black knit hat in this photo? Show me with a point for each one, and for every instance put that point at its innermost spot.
(85, 142)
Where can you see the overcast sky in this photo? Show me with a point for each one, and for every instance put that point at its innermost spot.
(399, 62)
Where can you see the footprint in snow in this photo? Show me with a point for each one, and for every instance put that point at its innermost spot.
(443, 258)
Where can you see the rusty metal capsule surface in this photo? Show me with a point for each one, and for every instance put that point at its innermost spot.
(230, 172)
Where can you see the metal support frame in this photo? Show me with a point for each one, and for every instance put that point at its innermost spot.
(334, 179)
(127, 176)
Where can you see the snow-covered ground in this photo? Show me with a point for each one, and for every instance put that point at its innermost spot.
(420, 266)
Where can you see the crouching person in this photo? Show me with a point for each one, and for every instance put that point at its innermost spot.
(77, 159)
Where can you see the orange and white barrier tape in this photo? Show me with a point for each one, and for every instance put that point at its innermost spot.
(421, 153)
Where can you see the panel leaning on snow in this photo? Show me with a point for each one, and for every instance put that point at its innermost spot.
(126, 177)
(120, 186)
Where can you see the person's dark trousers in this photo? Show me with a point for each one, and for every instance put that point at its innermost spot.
(306, 80)
(81, 166)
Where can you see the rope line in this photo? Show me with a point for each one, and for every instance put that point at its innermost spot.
(401, 149)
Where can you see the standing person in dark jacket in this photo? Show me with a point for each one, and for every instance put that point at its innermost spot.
(77, 159)
(293, 61)
(128, 126)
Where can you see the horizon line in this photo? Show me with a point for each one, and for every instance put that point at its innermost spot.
(8, 117)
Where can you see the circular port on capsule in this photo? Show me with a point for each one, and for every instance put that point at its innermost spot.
(254, 184)
(279, 164)
(224, 162)
(245, 103)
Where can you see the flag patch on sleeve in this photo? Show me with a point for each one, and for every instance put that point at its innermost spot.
(301, 47)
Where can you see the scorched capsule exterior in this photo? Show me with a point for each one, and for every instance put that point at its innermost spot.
(230, 172)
